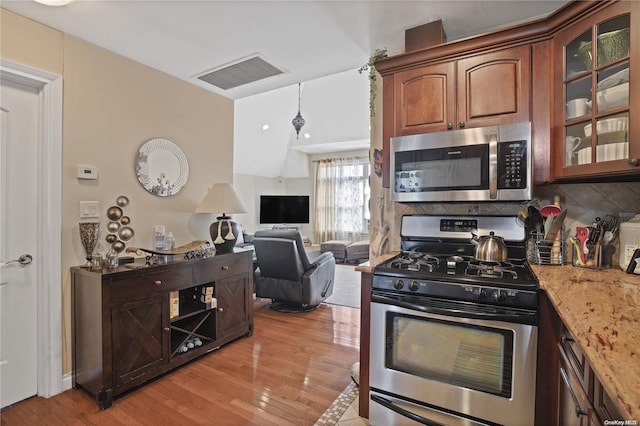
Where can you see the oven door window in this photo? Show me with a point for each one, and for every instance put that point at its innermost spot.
(465, 355)
(443, 169)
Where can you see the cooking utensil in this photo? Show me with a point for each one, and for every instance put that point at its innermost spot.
(547, 224)
(550, 210)
(489, 248)
(577, 250)
(582, 234)
(535, 219)
(556, 227)
(594, 233)
(610, 223)
(593, 258)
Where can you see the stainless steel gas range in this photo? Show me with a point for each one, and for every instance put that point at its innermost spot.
(453, 339)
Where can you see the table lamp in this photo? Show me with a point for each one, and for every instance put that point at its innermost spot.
(222, 198)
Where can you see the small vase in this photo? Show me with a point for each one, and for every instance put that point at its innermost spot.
(89, 237)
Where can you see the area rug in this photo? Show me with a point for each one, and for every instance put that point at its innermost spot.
(339, 406)
(346, 287)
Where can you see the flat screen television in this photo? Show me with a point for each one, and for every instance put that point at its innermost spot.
(276, 209)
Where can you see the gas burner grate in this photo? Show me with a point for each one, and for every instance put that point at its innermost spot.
(498, 270)
(414, 261)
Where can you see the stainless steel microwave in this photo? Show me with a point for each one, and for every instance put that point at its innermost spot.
(477, 164)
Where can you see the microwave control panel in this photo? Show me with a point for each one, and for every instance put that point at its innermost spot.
(512, 165)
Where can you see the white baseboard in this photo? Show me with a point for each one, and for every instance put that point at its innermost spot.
(67, 382)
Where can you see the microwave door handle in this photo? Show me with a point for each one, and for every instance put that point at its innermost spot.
(493, 166)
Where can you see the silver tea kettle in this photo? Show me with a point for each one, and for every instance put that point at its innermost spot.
(489, 248)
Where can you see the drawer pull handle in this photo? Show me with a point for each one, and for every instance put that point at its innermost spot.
(157, 282)
(225, 268)
(132, 378)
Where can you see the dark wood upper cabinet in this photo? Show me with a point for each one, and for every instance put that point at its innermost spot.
(494, 88)
(425, 99)
(524, 73)
(481, 90)
(595, 109)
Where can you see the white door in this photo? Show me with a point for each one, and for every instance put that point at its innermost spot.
(18, 203)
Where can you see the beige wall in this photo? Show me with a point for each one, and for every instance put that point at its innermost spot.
(28, 42)
(112, 105)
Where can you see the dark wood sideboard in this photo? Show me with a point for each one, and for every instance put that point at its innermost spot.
(135, 322)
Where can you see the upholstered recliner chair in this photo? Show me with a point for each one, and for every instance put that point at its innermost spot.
(287, 274)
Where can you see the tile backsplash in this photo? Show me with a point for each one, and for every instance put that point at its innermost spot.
(583, 201)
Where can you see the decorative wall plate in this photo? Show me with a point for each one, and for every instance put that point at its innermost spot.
(161, 167)
(113, 227)
(114, 213)
(122, 201)
(125, 233)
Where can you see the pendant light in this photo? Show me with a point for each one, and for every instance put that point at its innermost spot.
(298, 121)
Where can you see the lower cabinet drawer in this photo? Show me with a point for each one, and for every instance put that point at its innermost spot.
(149, 284)
(605, 406)
(220, 268)
(576, 357)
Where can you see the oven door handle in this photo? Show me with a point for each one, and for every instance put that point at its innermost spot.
(518, 317)
(391, 406)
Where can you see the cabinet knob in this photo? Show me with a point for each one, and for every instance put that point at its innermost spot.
(461, 124)
(225, 268)
(220, 309)
(157, 282)
(166, 329)
(449, 126)
(633, 162)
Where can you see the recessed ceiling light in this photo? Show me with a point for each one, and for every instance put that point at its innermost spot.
(54, 2)
(265, 127)
(307, 135)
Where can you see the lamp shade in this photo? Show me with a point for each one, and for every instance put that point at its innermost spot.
(222, 198)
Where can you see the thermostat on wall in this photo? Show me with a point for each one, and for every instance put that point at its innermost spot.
(87, 172)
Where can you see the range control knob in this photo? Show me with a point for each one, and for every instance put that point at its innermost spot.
(477, 293)
(414, 286)
(496, 296)
(398, 284)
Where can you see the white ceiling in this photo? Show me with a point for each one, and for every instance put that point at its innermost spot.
(306, 38)
(318, 42)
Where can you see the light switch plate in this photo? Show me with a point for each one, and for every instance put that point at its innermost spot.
(89, 209)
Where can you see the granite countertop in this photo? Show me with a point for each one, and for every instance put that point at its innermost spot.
(372, 263)
(602, 311)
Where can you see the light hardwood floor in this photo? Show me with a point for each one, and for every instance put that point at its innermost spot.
(288, 373)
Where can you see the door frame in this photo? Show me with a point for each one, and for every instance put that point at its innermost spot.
(49, 221)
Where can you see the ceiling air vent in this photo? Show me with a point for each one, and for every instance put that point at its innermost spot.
(236, 74)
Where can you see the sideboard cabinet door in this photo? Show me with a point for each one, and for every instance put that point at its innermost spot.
(234, 308)
(139, 339)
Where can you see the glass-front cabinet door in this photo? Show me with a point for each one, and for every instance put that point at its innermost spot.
(593, 98)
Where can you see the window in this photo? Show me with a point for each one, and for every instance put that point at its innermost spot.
(342, 199)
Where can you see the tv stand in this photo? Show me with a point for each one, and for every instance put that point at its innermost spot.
(287, 227)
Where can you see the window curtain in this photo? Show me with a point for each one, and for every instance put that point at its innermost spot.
(341, 199)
